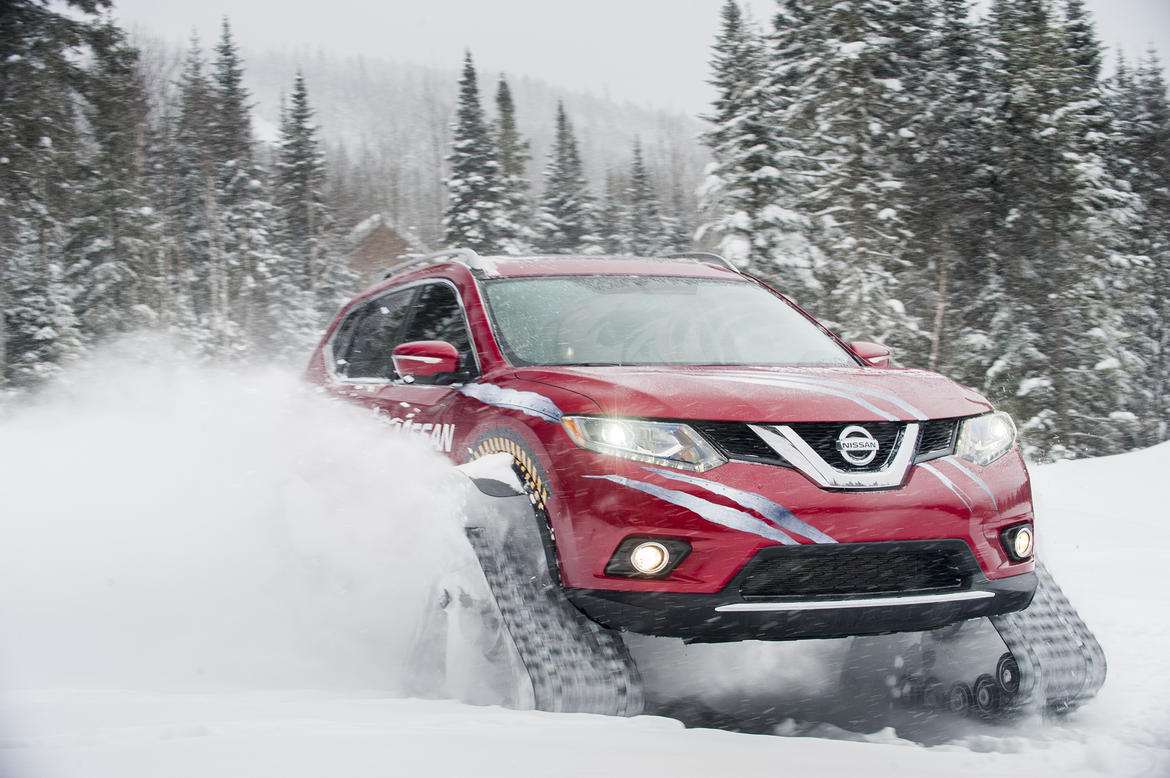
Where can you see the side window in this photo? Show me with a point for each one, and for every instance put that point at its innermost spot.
(365, 341)
(438, 316)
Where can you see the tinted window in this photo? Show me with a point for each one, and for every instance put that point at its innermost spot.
(438, 316)
(365, 341)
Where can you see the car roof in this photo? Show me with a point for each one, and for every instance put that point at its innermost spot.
(698, 265)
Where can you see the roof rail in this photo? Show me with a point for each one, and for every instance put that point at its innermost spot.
(464, 256)
(709, 257)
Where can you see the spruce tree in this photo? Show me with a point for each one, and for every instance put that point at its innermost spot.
(304, 280)
(565, 220)
(750, 196)
(516, 233)
(42, 81)
(848, 99)
(113, 240)
(644, 228)
(1051, 240)
(475, 217)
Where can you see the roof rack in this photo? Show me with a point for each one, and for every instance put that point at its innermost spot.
(477, 262)
(464, 256)
(708, 257)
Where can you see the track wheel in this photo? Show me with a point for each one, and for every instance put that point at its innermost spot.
(959, 699)
(986, 696)
(1007, 674)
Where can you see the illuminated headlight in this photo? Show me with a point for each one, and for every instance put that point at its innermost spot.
(653, 442)
(984, 439)
(1019, 541)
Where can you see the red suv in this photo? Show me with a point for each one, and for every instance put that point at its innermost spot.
(702, 458)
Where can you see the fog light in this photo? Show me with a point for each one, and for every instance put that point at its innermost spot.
(1018, 541)
(649, 558)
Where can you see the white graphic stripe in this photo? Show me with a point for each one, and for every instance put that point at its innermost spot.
(948, 484)
(971, 474)
(827, 383)
(712, 512)
(773, 512)
(787, 384)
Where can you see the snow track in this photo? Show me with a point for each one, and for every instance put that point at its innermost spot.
(574, 664)
(1061, 664)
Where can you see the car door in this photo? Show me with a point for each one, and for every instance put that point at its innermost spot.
(363, 358)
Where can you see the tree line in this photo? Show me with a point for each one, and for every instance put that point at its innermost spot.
(120, 212)
(974, 194)
(491, 207)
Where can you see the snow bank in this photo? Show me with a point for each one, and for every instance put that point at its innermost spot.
(172, 526)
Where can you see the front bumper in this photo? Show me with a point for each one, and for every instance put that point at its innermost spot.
(796, 592)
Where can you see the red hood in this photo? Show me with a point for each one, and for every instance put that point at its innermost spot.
(758, 394)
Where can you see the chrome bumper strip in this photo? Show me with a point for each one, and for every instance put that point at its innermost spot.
(869, 602)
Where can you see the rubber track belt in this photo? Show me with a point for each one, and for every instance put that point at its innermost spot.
(575, 665)
(1061, 664)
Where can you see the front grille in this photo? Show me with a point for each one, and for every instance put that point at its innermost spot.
(822, 437)
(937, 439)
(842, 570)
(735, 440)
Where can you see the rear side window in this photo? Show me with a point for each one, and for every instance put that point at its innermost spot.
(364, 343)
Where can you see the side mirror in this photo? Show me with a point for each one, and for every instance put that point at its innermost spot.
(424, 358)
(873, 353)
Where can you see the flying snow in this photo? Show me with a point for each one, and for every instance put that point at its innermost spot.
(177, 526)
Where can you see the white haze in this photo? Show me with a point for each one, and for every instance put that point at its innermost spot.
(175, 526)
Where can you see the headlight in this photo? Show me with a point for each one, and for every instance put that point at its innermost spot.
(653, 442)
(984, 439)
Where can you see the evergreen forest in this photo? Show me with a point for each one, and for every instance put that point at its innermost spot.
(975, 193)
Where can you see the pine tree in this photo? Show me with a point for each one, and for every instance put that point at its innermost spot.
(1141, 156)
(565, 220)
(848, 100)
(114, 238)
(42, 81)
(516, 233)
(750, 197)
(475, 215)
(644, 227)
(1052, 239)
(611, 216)
(304, 281)
(244, 259)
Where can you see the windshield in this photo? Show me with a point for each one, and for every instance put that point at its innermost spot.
(652, 320)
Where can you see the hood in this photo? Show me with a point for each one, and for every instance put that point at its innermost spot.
(759, 394)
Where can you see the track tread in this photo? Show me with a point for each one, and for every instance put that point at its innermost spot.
(575, 665)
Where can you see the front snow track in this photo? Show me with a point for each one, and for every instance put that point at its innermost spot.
(1060, 663)
(574, 664)
(1040, 659)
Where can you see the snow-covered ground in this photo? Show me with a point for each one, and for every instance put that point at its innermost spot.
(214, 574)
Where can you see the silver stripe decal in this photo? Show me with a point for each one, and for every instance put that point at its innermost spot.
(825, 382)
(530, 403)
(971, 474)
(871, 602)
(712, 512)
(773, 512)
(785, 383)
(948, 484)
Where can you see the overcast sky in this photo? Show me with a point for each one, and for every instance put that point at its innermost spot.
(652, 52)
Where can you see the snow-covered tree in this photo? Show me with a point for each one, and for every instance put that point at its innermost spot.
(516, 233)
(475, 216)
(305, 279)
(750, 197)
(644, 229)
(113, 239)
(565, 219)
